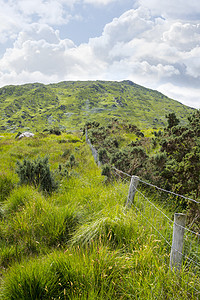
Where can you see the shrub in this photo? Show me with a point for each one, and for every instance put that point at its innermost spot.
(55, 131)
(63, 170)
(111, 143)
(37, 173)
(106, 171)
(103, 155)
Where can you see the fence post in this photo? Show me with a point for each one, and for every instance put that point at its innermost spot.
(132, 190)
(177, 241)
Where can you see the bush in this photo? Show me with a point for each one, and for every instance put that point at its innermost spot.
(37, 173)
(106, 171)
(103, 155)
(55, 131)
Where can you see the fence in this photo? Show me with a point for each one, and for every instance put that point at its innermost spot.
(182, 243)
(94, 151)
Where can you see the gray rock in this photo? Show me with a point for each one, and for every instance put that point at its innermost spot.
(25, 134)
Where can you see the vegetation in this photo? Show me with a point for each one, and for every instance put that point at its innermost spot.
(37, 173)
(68, 105)
(77, 242)
(64, 231)
(169, 159)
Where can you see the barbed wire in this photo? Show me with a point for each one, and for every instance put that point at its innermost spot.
(122, 177)
(118, 172)
(147, 183)
(195, 233)
(166, 240)
(153, 205)
(121, 171)
(152, 225)
(187, 229)
(185, 256)
(161, 189)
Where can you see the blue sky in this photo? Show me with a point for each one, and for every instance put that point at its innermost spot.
(155, 43)
(92, 19)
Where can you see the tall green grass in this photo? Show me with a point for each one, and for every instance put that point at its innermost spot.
(95, 272)
(80, 242)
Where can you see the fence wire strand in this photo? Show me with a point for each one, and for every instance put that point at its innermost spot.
(158, 188)
(190, 257)
(169, 192)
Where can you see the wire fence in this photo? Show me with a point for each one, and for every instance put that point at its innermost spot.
(162, 225)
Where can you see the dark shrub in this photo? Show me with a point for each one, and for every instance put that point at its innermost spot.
(37, 173)
(55, 130)
(103, 155)
(106, 171)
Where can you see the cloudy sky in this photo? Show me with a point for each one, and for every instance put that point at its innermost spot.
(155, 43)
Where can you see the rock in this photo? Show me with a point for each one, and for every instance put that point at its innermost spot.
(25, 134)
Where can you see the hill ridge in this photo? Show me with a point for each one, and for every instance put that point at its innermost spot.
(69, 104)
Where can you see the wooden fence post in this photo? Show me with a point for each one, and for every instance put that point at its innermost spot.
(177, 241)
(132, 190)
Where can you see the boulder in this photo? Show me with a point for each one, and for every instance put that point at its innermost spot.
(25, 134)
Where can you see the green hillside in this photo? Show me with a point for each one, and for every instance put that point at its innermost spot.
(69, 105)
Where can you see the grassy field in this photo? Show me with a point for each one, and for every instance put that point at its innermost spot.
(78, 242)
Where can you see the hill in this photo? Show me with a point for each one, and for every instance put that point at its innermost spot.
(70, 104)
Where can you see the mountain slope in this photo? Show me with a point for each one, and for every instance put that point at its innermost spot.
(70, 104)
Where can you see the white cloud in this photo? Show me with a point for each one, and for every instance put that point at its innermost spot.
(51, 12)
(15, 15)
(192, 62)
(11, 22)
(125, 29)
(184, 36)
(183, 9)
(37, 49)
(26, 77)
(134, 40)
(187, 96)
(99, 2)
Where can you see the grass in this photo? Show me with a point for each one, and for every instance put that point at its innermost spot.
(79, 242)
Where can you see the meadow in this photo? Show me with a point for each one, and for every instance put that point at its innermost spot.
(78, 242)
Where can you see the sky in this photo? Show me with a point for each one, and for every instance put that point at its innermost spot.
(154, 43)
